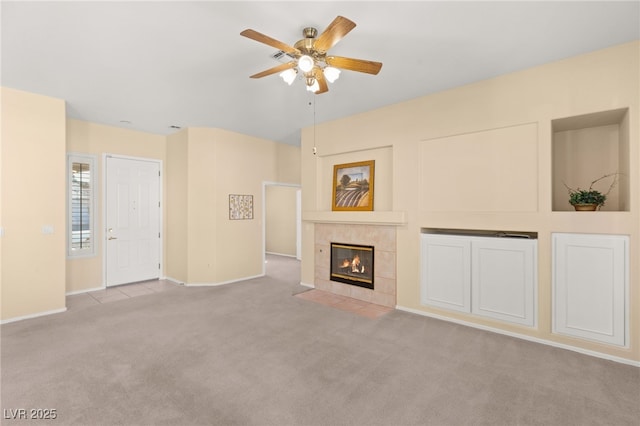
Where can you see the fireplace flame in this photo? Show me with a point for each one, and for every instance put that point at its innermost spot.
(355, 265)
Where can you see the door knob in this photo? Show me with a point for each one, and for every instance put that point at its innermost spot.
(113, 238)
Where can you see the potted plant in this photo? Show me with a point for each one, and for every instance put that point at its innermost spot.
(590, 199)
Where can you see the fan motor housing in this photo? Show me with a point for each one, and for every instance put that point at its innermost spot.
(309, 32)
(305, 45)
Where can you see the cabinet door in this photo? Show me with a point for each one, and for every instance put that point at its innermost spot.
(590, 278)
(503, 277)
(446, 272)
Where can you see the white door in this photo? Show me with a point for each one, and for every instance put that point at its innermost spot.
(132, 221)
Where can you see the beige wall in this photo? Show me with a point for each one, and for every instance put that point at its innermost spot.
(32, 196)
(429, 142)
(202, 204)
(288, 163)
(97, 139)
(177, 210)
(280, 219)
(211, 164)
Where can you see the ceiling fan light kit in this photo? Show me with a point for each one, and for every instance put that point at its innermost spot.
(306, 63)
(331, 74)
(310, 56)
(312, 85)
(289, 75)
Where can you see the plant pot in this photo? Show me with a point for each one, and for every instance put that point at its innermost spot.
(585, 207)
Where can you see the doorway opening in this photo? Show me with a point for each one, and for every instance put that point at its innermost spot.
(282, 220)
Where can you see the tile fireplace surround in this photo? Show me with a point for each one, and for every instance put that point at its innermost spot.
(382, 237)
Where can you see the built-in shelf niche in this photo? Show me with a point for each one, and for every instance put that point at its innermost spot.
(586, 147)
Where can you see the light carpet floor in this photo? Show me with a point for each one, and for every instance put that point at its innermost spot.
(250, 353)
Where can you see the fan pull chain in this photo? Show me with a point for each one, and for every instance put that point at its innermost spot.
(315, 150)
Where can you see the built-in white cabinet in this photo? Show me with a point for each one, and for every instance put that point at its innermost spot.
(446, 272)
(487, 276)
(590, 282)
(503, 279)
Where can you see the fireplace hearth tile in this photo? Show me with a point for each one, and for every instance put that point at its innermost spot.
(361, 293)
(340, 289)
(386, 285)
(382, 237)
(325, 285)
(384, 299)
(349, 303)
(344, 303)
(373, 311)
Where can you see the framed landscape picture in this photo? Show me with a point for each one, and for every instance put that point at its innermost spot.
(353, 186)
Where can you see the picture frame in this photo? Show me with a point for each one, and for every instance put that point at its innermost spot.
(353, 186)
(240, 207)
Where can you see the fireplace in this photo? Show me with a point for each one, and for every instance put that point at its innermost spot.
(352, 264)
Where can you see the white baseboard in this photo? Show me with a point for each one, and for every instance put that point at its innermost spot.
(173, 280)
(280, 254)
(523, 337)
(36, 315)
(223, 282)
(71, 293)
(307, 285)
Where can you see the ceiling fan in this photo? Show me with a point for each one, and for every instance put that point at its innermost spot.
(310, 56)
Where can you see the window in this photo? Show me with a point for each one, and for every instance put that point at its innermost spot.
(81, 195)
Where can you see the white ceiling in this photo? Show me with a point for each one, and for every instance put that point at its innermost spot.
(162, 64)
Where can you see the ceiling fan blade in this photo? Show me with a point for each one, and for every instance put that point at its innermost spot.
(360, 65)
(278, 68)
(322, 82)
(337, 29)
(254, 35)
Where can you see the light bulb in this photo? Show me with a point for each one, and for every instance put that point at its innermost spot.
(305, 63)
(314, 87)
(331, 74)
(288, 76)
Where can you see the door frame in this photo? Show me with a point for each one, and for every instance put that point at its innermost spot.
(103, 219)
(264, 220)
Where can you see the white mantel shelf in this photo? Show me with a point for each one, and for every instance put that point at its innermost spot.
(367, 218)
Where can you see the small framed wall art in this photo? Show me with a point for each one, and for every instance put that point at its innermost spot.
(353, 186)
(240, 207)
